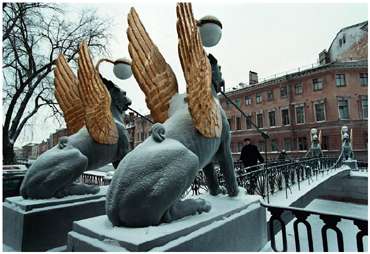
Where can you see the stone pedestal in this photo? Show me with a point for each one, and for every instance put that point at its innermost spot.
(233, 224)
(39, 225)
(351, 163)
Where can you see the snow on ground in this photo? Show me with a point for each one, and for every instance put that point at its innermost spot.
(337, 207)
(359, 173)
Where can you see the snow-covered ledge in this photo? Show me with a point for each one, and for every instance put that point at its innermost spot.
(39, 225)
(233, 224)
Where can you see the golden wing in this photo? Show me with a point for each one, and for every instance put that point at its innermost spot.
(154, 76)
(203, 109)
(96, 100)
(66, 93)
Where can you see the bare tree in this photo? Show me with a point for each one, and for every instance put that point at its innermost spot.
(34, 34)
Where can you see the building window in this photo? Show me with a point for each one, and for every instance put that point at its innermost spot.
(270, 95)
(287, 144)
(261, 146)
(299, 111)
(364, 106)
(340, 80)
(363, 79)
(237, 102)
(248, 123)
(240, 147)
(343, 108)
(299, 89)
(317, 84)
(274, 145)
(260, 120)
(320, 111)
(258, 98)
(302, 143)
(325, 142)
(285, 116)
(238, 123)
(283, 91)
(248, 100)
(272, 118)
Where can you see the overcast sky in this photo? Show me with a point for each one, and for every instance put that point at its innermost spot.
(267, 38)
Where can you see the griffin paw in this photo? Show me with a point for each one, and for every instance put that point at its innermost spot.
(204, 206)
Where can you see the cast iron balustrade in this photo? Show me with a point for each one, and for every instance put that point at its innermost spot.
(300, 216)
(278, 176)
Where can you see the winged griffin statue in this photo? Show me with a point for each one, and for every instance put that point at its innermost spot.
(92, 108)
(315, 149)
(347, 152)
(191, 131)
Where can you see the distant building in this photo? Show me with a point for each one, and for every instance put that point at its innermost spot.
(28, 151)
(54, 138)
(326, 97)
(18, 153)
(42, 147)
(142, 129)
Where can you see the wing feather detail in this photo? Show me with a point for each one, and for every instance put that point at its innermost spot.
(66, 93)
(96, 100)
(154, 76)
(203, 108)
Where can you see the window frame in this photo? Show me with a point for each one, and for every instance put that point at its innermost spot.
(248, 124)
(290, 144)
(274, 141)
(296, 113)
(362, 78)
(258, 95)
(305, 147)
(270, 92)
(362, 107)
(257, 114)
(272, 111)
(284, 88)
(282, 117)
(295, 89)
(315, 111)
(341, 79)
(238, 127)
(238, 102)
(341, 98)
(314, 84)
(247, 100)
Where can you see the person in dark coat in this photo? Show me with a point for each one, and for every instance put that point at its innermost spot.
(283, 155)
(250, 154)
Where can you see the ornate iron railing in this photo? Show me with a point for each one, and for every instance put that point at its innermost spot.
(300, 216)
(277, 177)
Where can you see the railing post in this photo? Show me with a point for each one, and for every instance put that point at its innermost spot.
(276, 215)
(301, 218)
(362, 226)
(331, 223)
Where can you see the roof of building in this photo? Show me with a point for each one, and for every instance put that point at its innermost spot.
(297, 74)
(362, 25)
